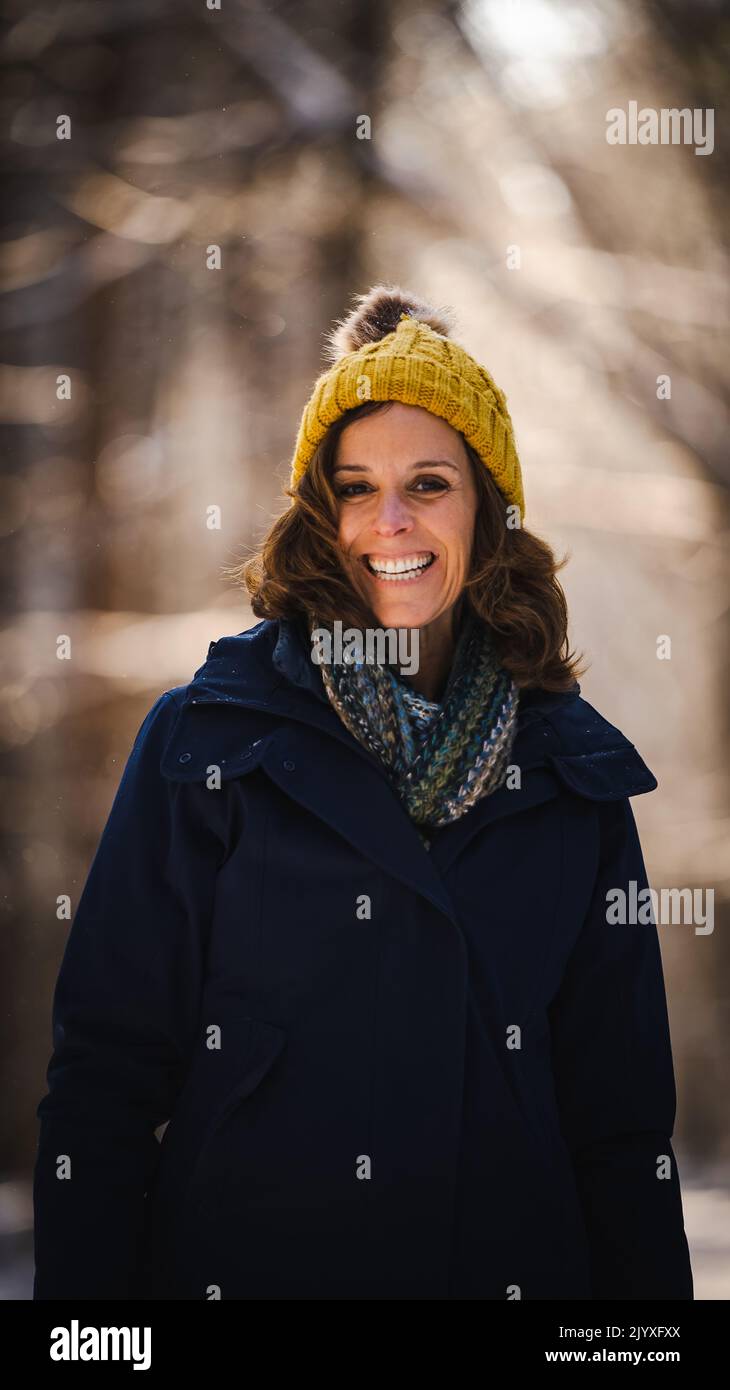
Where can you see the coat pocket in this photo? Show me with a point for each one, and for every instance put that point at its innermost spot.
(265, 1043)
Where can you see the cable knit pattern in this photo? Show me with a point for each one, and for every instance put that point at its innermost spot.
(417, 366)
(442, 758)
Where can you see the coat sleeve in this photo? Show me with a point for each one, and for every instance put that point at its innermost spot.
(125, 1014)
(615, 1085)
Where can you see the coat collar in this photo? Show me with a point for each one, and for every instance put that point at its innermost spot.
(270, 665)
(280, 719)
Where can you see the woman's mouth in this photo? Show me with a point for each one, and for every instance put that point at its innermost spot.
(403, 569)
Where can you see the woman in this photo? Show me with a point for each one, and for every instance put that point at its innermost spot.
(346, 946)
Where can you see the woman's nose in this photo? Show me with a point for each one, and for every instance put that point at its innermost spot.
(392, 514)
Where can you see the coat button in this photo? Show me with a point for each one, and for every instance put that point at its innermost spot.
(288, 764)
(185, 757)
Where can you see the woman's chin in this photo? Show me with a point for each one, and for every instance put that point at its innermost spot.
(402, 614)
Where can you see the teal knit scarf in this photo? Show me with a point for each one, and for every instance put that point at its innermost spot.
(440, 758)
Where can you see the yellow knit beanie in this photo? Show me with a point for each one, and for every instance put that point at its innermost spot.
(391, 349)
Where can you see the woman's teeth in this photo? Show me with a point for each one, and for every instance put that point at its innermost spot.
(410, 567)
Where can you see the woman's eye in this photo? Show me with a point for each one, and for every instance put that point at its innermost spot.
(347, 490)
(421, 485)
(439, 483)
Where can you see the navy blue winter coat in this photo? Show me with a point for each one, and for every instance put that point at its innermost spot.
(388, 1071)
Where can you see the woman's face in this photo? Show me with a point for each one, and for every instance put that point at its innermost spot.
(407, 503)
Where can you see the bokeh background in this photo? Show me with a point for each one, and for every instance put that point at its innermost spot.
(457, 149)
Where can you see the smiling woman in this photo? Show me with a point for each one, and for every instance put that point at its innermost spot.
(397, 521)
(366, 971)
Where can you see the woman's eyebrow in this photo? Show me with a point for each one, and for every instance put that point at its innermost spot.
(420, 463)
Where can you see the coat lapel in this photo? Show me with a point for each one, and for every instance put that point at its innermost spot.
(354, 797)
(247, 709)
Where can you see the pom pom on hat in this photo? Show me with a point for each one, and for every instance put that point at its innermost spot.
(377, 313)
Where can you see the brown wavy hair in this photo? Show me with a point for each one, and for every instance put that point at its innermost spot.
(512, 583)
